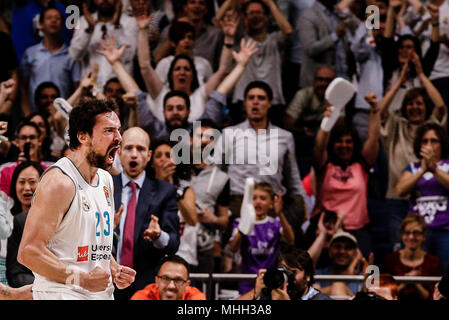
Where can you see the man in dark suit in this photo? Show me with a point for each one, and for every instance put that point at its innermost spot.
(149, 225)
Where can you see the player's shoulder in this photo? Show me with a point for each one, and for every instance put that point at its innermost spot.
(55, 178)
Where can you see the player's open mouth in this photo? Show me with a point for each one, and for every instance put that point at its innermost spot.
(111, 154)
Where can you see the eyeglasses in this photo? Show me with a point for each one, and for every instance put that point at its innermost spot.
(177, 281)
(414, 233)
(24, 138)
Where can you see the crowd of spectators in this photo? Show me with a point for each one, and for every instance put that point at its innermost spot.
(212, 92)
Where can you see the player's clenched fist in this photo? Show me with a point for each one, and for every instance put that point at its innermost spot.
(97, 280)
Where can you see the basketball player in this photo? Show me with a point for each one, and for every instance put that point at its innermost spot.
(67, 240)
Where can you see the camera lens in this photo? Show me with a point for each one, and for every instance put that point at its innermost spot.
(274, 279)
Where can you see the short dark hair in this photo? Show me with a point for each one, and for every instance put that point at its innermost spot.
(84, 117)
(440, 132)
(50, 7)
(179, 29)
(266, 10)
(174, 258)
(411, 95)
(27, 123)
(208, 123)
(195, 84)
(177, 93)
(41, 87)
(298, 258)
(111, 80)
(17, 208)
(259, 85)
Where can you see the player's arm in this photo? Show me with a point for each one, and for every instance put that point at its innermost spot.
(52, 199)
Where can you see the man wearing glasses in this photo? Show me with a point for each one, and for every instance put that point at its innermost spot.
(172, 282)
(28, 142)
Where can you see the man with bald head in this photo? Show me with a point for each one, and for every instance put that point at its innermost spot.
(149, 224)
(304, 114)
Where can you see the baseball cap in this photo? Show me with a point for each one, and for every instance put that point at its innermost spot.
(344, 234)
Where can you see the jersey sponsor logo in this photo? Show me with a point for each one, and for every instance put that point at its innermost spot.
(106, 194)
(83, 253)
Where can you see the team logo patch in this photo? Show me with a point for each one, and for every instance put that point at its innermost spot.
(86, 206)
(83, 253)
(106, 194)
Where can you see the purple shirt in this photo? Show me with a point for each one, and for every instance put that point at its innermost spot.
(260, 249)
(430, 198)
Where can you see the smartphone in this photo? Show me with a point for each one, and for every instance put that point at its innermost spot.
(26, 150)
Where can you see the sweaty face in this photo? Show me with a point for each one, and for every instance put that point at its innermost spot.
(262, 203)
(257, 104)
(176, 112)
(416, 110)
(341, 253)
(105, 141)
(172, 281)
(26, 185)
(134, 152)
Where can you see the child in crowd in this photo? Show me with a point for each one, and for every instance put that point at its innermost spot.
(261, 247)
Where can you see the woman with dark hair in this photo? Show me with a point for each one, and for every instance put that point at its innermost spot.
(24, 182)
(341, 165)
(46, 135)
(420, 105)
(162, 166)
(426, 182)
(182, 75)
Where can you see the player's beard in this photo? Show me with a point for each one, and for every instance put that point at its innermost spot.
(97, 160)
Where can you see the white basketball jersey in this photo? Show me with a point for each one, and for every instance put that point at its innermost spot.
(83, 240)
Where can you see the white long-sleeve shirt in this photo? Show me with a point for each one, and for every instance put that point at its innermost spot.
(84, 45)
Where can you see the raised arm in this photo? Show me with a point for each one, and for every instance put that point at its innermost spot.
(281, 21)
(229, 28)
(393, 6)
(113, 55)
(247, 49)
(288, 235)
(320, 148)
(152, 81)
(371, 146)
(390, 94)
(434, 94)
